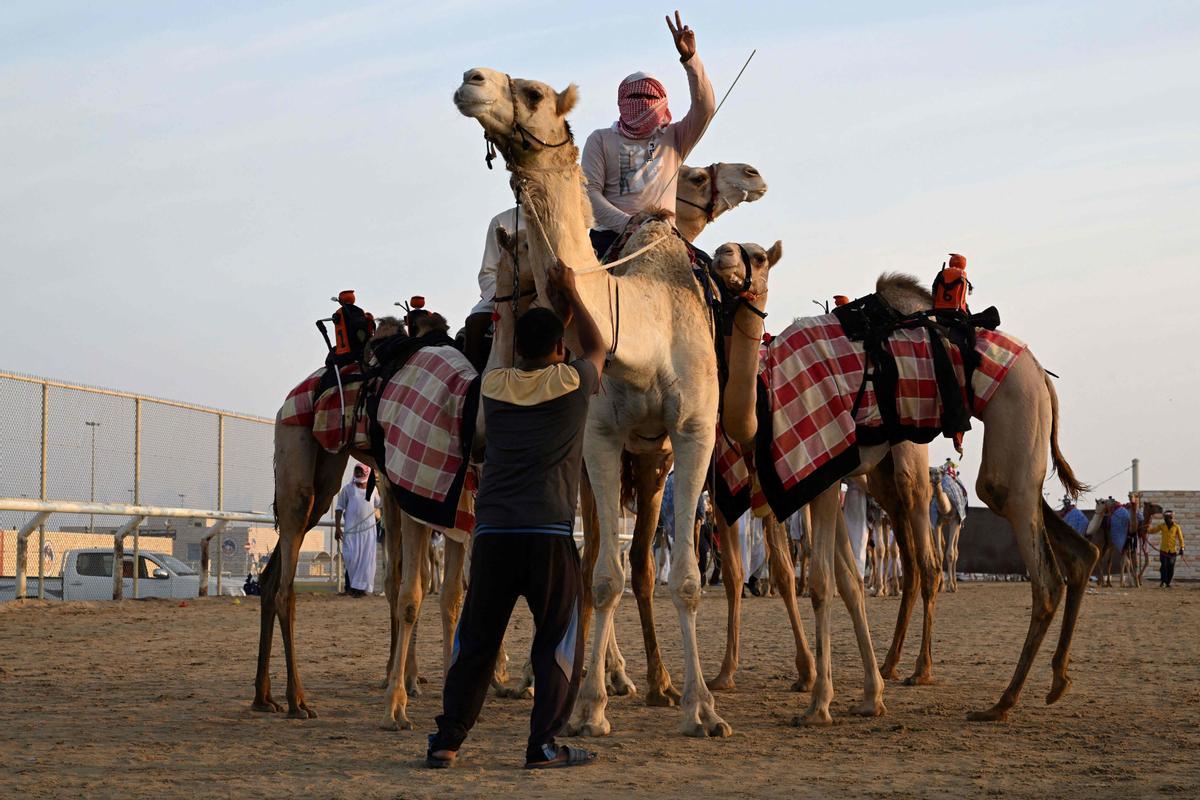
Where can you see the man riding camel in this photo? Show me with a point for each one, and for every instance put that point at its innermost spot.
(632, 166)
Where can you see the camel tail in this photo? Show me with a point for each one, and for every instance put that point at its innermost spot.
(1066, 475)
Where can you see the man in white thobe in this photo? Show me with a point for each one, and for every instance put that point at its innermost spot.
(354, 526)
(854, 507)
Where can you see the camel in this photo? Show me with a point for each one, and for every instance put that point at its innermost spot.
(1021, 431)
(1138, 557)
(947, 523)
(1099, 533)
(661, 379)
(306, 479)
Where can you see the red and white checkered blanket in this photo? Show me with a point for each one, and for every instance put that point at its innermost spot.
(812, 374)
(427, 414)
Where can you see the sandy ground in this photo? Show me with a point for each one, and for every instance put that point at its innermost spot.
(148, 699)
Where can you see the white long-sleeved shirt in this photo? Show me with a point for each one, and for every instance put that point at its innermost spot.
(625, 176)
(491, 257)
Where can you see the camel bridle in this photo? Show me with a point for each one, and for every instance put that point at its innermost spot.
(709, 209)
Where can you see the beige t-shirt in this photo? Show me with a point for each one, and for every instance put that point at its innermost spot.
(625, 176)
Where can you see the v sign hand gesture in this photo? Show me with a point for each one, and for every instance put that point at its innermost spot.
(685, 37)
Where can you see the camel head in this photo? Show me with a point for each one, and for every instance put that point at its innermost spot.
(522, 118)
(743, 268)
(735, 184)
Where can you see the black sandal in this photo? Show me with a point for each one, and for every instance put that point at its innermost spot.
(438, 762)
(565, 757)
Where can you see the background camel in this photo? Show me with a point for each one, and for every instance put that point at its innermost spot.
(661, 379)
(1021, 424)
(946, 514)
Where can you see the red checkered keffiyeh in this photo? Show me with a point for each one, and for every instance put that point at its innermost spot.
(423, 413)
(811, 378)
(640, 116)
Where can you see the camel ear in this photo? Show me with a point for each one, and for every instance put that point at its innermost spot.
(774, 254)
(567, 99)
(503, 238)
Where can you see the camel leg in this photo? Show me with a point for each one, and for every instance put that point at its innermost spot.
(952, 556)
(693, 445)
(303, 504)
(850, 587)
(1017, 429)
(591, 548)
(602, 455)
(262, 680)
(1074, 557)
(731, 577)
(391, 588)
(783, 576)
(824, 531)
(911, 465)
(414, 537)
(450, 597)
(650, 484)
(882, 485)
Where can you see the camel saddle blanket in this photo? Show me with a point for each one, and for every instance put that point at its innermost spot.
(816, 404)
(317, 404)
(736, 488)
(426, 415)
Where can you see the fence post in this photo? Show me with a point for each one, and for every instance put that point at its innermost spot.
(220, 489)
(137, 480)
(119, 557)
(23, 550)
(42, 528)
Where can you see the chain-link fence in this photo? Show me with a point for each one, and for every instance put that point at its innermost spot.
(64, 441)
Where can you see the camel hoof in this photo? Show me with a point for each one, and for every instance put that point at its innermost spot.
(721, 683)
(589, 729)
(413, 689)
(267, 707)
(870, 708)
(888, 672)
(993, 714)
(1057, 689)
(919, 679)
(718, 729)
(391, 724)
(619, 685)
(303, 712)
(802, 685)
(663, 697)
(812, 718)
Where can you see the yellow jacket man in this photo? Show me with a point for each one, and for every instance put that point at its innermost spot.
(1169, 547)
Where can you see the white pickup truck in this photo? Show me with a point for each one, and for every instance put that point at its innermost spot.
(87, 574)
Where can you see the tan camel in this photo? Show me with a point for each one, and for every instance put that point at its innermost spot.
(1021, 431)
(306, 479)
(661, 379)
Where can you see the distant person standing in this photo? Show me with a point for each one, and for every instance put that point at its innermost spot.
(354, 519)
(1170, 546)
(633, 165)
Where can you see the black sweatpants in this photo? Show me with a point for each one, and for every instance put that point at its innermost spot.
(1166, 568)
(544, 569)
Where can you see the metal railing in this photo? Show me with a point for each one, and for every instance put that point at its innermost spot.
(42, 509)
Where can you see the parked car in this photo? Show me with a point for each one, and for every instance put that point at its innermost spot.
(88, 575)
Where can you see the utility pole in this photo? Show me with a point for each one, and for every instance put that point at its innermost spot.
(1137, 484)
(92, 517)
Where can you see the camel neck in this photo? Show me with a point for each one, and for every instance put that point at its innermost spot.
(557, 207)
(738, 416)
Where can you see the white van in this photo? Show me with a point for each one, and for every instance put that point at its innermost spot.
(88, 575)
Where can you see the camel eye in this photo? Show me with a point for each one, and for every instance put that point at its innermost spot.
(699, 178)
(752, 172)
(533, 96)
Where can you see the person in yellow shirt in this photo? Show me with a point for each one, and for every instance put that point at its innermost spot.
(1169, 547)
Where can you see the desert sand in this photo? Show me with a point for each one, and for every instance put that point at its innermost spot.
(151, 699)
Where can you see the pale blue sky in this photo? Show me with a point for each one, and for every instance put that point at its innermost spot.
(185, 185)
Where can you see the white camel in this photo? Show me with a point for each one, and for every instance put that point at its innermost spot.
(661, 379)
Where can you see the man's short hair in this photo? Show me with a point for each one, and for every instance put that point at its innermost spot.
(538, 333)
